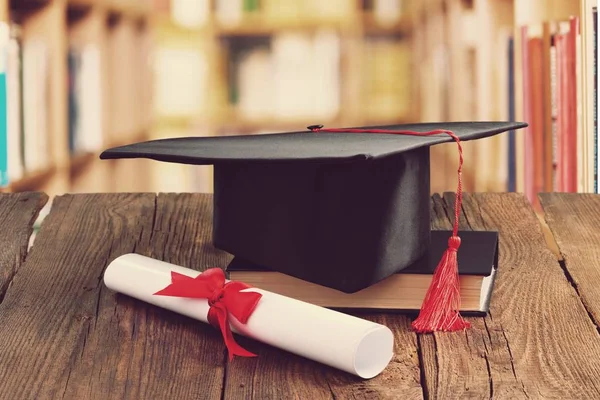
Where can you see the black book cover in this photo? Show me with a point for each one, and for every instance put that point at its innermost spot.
(477, 255)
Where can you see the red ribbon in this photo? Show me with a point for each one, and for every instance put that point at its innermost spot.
(223, 299)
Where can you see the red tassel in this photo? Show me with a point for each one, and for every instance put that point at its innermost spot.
(441, 307)
(440, 310)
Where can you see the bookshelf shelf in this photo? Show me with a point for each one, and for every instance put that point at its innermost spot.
(260, 26)
(372, 26)
(28, 4)
(82, 3)
(33, 180)
(237, 124)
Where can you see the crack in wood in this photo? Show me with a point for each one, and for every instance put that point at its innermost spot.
(423, 378)
(4, 290)
(571, 280)
(512, 361)
(487, 363)
(485, 224)
(34, 216)
(330, 389)
(487, 329)
(489, 371)
(154, 216)
(437, 363)
(85, 336)
(66, 384)
(225, 369)
(133, 327)
(24, 249)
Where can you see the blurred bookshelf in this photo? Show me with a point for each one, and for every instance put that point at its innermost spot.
(259, 66)
(73, 87)
(115, 72)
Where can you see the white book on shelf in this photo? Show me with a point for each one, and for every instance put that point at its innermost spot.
(13, 118)
(325, 80)
(89, 93)
(292, 76)
(35, 100)
(228, 12)
(190, 13)
(588, 91)
(387, 12)
(255, 84)
(180, 86)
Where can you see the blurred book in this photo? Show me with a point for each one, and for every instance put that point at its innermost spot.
(180, 86)
(35, 87)
(26, 103)
(14, 88)
(387, 79)
(190, 13)
(271, 78)
(86, 126)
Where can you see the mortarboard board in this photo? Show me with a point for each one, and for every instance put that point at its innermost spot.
(343, 208)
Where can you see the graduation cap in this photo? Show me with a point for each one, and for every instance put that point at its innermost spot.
(343, 208)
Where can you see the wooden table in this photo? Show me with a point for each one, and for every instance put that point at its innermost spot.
(63, 334)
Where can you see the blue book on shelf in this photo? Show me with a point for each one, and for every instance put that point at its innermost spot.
(512, 173)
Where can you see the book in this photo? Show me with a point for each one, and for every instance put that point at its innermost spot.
(4, 41)
(403, 291)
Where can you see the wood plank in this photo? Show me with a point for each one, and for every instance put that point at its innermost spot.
(573, 220)
(18, 212)
(66, 335)
(538, 340)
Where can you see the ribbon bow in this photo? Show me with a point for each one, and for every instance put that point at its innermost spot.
(223, 299)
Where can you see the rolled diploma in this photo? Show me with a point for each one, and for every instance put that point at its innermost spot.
(342, 341)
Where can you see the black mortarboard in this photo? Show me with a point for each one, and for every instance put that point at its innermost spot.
(343, 208)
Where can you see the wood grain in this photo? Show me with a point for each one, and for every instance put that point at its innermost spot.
(66, 336)
(18, 212)
(263, 377)
(573, 220)
(540, 342)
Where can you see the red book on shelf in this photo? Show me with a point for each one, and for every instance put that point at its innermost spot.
(571, 132)
(566, 164)
(560, 114)
(535, 139)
